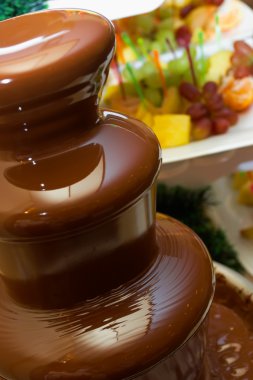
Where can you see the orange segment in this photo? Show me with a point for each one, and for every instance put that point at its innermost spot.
(238, 93)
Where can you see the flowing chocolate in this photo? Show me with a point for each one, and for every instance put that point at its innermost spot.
(92, 286)
(66, 166)
(123, 332)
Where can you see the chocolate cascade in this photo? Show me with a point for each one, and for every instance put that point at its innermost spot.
(92, 284)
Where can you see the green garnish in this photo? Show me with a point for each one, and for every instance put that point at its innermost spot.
(190, 207)
(12, 8)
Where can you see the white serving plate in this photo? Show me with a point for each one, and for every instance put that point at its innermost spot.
(112, 9)
(239, 136)
(245, 26)
(232, 217)
(236, 279)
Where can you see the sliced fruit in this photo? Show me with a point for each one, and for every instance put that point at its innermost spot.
(238, 93)
(128, 106)
(172, 102)
(218, 65)
(144, 115)
(154, 96)
(113, 92)
(172, 130)
(202, 129)
(199, 18)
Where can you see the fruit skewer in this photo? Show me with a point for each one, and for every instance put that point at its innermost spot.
(224, 88)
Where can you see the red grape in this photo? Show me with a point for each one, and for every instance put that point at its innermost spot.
(186, 10)
(189, 92)
(215, 102)
(210, 88)
(183, 36)
(227, 113)
(207, 110)
(197, 111)
(220, 126)
(202, 129)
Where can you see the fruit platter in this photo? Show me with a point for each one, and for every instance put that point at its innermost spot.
(192, 86)
(153, 30)
(164, 56)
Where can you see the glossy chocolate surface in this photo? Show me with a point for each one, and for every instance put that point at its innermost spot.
(230, 334)
(91, 285)
(226, 338)
(122, 333)
(60, 150)
(76, 181)
(82, 185)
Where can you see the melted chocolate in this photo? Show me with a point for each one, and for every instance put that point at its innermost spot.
(91, 285)
(72, 177)
(230, 334)
(123, 332)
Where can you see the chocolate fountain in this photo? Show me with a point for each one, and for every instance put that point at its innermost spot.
(93, 285)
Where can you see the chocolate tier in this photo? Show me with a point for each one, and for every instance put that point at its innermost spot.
(92, 285)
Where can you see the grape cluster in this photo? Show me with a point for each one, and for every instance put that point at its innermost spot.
(209, 114)
(242, 60)
(154, 28)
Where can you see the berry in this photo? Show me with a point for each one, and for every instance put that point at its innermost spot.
(197, 111)
(220, 126)
(207, 110)
(215, 102)
(183, 36)
(210, 88)
(227, 113)
(202, 129)
(189, 92)
(186, 10)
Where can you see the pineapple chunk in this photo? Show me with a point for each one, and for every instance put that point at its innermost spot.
(172, 102)
(218, 65)
(172, 130)
(144, 115)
